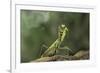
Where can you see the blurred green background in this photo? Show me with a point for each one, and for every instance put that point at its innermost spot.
(39, 28)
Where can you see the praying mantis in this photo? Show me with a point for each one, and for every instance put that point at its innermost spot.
(62, 32)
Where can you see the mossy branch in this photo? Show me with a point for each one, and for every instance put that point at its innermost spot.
(81, 55)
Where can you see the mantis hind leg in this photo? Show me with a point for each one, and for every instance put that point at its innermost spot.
(43, 49)
(55, 52)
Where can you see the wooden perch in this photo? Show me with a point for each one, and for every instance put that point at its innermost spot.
(81, 55)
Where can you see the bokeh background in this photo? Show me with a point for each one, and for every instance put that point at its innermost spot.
(39, 28)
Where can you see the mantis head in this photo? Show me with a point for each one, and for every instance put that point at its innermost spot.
(63, 28)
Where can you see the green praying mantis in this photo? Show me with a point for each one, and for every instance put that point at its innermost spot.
(62, 32)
